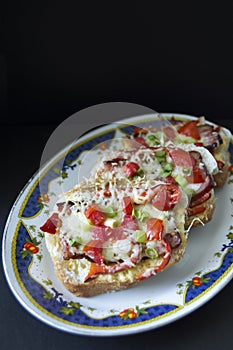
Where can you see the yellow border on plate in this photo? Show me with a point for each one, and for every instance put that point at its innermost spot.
(46, 312)
(32, 300)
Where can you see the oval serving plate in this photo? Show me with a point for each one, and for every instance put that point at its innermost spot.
(205, 269)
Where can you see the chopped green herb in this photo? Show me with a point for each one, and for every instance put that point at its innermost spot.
(166, 170)
(75, 242)
(151, 253)
(181, 180)
(183, 139)
(140, 236)
(187, 170)
(153, 139)
(140, 214)
(189, 191)
(109, 212)
(167, 167)
(160, 156)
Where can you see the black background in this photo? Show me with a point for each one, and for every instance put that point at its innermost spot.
(57, 58)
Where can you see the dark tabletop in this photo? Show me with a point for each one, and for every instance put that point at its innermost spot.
(49, 70)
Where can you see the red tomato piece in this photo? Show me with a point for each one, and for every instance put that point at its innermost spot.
(51, 224)
(196, 177)
(95, 215)
(166, 196)
(127, 205)
(154, 229)
(95, 269)
(190, 129)
(130, 169)
(166, 256)
(94, 251)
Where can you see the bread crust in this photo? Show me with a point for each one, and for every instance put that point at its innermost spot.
(121, 280)
(221, 177)
(106, 283)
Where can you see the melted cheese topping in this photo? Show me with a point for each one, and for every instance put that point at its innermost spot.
(76, 227)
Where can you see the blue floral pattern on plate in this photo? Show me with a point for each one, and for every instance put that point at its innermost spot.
(71, 313)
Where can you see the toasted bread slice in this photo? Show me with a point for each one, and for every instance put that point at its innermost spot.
(177, 159)
(68, 270)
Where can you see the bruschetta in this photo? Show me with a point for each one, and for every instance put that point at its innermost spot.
(129, 220)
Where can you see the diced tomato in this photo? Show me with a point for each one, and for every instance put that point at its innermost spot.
(127, 205)
(95, 269)
(166, 196)
(190, 129)
(154, 229)
(181, 157)
(130, 223)
(51, 224)
(166, 256)
(197, 176)
(130, 169)
(95, 215)
(93, 250)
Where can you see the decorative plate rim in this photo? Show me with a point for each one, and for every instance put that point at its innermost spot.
(129, 327)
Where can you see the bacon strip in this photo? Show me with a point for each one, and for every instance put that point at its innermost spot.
(200, 200)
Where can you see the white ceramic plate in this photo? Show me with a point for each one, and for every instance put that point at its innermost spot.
(206, 268)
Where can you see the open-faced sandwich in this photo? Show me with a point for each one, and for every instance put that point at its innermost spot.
(128, 221)
(191, 168)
